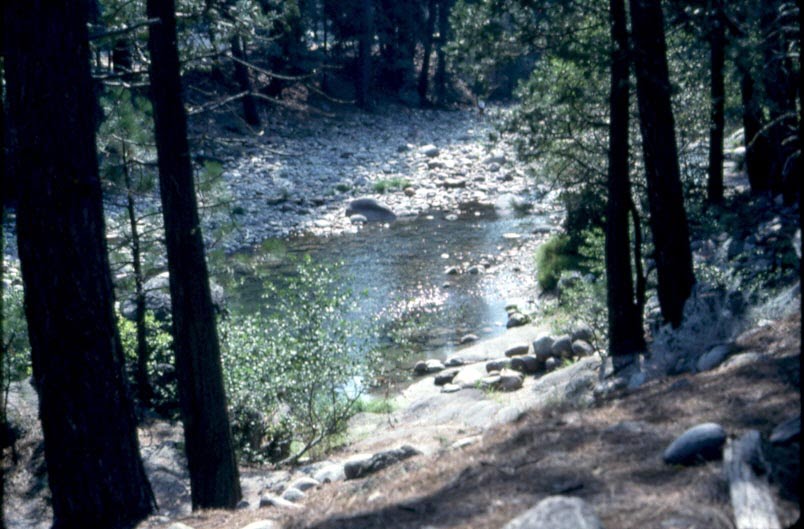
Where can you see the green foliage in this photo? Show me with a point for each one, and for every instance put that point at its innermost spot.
(296, 372)
(376, 405)
(161, 370)
(584, 299)
(389, 184)
(553, 257)
(16, 349)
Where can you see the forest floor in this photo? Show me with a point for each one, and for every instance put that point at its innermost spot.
(609, 454)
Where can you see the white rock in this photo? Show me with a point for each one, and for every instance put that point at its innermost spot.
(262, 524)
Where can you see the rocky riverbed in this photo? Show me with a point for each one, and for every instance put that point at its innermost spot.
(300, 173)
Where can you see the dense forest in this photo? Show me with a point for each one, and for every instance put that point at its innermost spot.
(666, 134)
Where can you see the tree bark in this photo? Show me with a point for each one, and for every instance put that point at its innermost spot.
(95, 473)
(424, 74)
(363, 79)
(208, 439)
(780, 89)
(440, 77)
(625, 324)
(250, 113)
(756, 140)
(717, 45)
(668, 218)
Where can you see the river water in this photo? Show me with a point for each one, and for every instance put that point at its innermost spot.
(403, 271)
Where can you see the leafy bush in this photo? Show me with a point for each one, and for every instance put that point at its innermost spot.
(389, 184)
(552, 258)
(161, 368)
(296, 373)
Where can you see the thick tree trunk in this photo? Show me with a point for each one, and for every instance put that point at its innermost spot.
(95, 473)
(363, 79)
(625, 324)
(440, 77)
(3, 179)
(717, 44)
(250, 113)
(424, 74)
(668, 218)
(208, 439)
(780, 89)
(756, 140)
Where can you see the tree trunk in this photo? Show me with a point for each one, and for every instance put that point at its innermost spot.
(756, 140)
(780, 89)
(625, 324)
(424, 74)
(144, 388)
(440, 78)
(95, 473)
(3, 179)
(250, 113)
(668, 218)
(208, 439)
(363, 78)
(717, 44)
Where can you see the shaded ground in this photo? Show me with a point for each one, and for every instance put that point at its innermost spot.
(608, 454)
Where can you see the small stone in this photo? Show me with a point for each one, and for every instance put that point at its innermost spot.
(517, 350)
(703, 442)
(510, 380)
(543, 347)
(454, 361)
(269, 500)
(242, 505)
(430, 150)
(420, 368)
(468, 338)
(527, 364)
(557, 512)
(409, 191)
(497, 365)
(551, 363)
(293, 494)
(445, 377)
(452, 271)
(582, 348)
(517, 319)
(305, 483)
(179, 525)
(330, 473)
(714, 357)
(583, 331)
(562, 347)
(475, 270)
(433, 365)
(450, 388)
(490, 382)
(359, 468)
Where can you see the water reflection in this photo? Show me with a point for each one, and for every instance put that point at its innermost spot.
(402, 270)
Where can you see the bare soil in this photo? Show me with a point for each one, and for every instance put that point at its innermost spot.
(608, 454)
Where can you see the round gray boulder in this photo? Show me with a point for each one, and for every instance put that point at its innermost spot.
(700, 443)
(372, 210)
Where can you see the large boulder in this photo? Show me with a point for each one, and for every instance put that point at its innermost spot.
(700, 443)
(557, 512)
(372, 210)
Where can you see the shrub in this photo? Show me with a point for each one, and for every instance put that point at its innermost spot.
(296, 373)
(552, 258)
